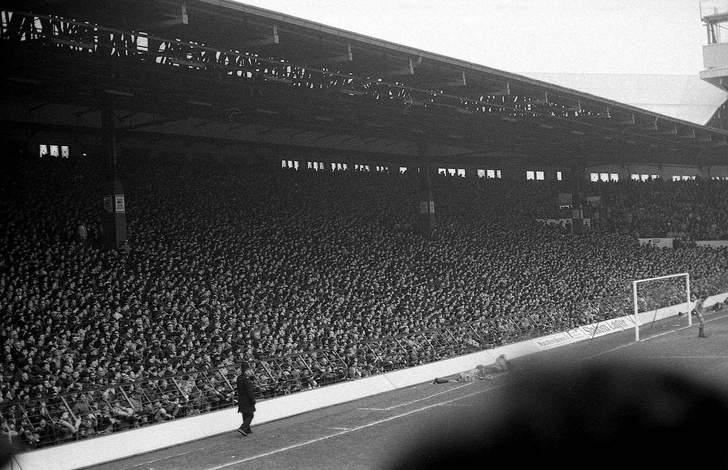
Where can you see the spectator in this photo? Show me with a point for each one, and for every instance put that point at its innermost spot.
(68, 426)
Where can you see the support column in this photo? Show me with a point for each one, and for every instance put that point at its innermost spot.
(113, 220)
(426, 219)
(578, 198)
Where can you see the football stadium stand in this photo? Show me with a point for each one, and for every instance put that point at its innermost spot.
(323, 205)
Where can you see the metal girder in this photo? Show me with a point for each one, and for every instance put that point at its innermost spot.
(346, 57)
(459, 82)
(689, 135)
(672, 131)
(653, 126)
(37, 107)
(238, 126)
(125, 116)
(177, 18)
(271, 40)
(631, 121)
(349, 139)
(505, 91)
(296, 134)
(142, 125)
(85, 111)
(409, 69)
(202, 124)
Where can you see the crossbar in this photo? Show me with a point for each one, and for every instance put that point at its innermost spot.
(660, 277)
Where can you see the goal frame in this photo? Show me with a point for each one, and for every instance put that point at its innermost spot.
(635, 283)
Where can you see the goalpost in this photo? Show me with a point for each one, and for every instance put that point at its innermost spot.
(673, 291)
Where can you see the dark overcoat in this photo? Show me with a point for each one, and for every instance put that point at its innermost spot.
(246, 395)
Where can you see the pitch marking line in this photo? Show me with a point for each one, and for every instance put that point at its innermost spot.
(692, 357)
(394, 407)
(694, 325)
(340, 429)
(168, 457)
(358, 428)
(622, 346)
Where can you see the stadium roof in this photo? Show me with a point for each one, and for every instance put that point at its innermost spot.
(684, 97)
(224, 71)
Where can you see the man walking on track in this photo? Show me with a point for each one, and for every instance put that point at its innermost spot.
(246, 398)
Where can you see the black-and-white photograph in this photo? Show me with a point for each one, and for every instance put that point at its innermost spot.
(393, 235)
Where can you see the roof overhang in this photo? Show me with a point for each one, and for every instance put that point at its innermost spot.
(231, 66)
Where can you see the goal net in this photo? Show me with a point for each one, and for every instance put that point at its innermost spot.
(661, 303)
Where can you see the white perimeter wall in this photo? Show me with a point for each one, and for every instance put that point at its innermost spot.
(149, 438)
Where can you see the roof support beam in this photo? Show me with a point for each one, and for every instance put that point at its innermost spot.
(237, 126)
(653, 126)
(36, 108)
(142, 125)
(202, 124)
(461, 81)
(84, 112)
(177, 18)
(296, 134)
(271, 40)
(629, 122)
(506, 91)
(672, 131)
(689, 135)
(347, 56)
(409, 69)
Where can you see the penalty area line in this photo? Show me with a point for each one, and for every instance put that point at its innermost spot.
(646, 340)
(694, 325)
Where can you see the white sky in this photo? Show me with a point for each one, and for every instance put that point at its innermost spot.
(555, 36)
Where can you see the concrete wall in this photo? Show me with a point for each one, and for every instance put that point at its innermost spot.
(715, 56)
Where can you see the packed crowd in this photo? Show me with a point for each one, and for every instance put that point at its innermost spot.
(308, 276)
(697, 210)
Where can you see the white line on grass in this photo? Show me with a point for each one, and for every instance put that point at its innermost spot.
(358, 428)
(168, 457)
(692, 357)
(722, 317)
(393, 407)
(622, 346)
